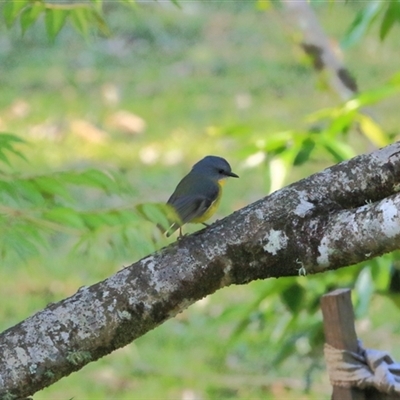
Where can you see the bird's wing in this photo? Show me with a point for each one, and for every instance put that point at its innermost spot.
(188, 208)
(191, 206)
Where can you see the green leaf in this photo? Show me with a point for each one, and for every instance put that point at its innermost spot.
(9, 137)
(110, 218)
(375, 95)
(305, 151)
(80, 19)
(158, 213)
(90, 177)
(55, 20)
(50, 185)
(277, 142)
(21, 239)
(4, 158)
(293, 296)
(30, 14)
(129, 217)
(113, 217)
(361, 23)
(28, 191)
(338, 149)
(66, 217)
(341, 123)
(8, 192)
(391, 15)
(92, 220)
(11, 10)
(7, 142)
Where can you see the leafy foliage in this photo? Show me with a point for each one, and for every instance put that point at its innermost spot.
(7, 142)
(300, 327)
(84, 16)
(36, 208)
(327, 134)
(372, 11)
(88, 16)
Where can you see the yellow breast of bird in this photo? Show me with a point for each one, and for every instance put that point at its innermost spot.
(213, 207)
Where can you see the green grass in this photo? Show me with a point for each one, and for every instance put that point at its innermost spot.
(208, 79)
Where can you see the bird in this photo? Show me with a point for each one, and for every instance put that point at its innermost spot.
(197, 196)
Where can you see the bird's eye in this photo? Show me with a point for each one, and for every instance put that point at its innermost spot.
(221, 171)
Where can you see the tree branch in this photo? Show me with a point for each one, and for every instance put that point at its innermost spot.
(341, 216)
(317, 45)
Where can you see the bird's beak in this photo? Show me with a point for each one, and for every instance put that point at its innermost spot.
(232, 174)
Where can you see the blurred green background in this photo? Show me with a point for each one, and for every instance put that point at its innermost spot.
(169, 86)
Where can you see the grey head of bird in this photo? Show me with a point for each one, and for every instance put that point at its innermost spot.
(214, 167)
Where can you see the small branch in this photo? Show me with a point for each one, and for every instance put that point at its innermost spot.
(318, 223)
(322, 51)
(317, 45)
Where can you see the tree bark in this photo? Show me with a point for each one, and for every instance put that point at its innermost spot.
(341, 216)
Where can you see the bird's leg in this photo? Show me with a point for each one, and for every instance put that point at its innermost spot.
(205, 224)
(181, 235)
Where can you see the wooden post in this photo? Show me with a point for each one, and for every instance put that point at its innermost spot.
(340, 333)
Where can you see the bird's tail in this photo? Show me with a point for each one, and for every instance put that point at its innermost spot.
(163, 215)
(168, 232)
(171, 223)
